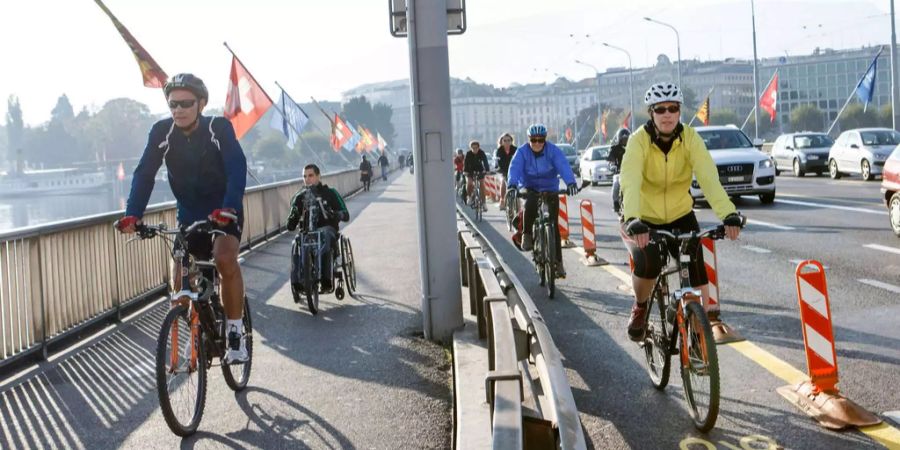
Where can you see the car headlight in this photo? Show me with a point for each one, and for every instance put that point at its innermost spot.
(880, 157)
(765, 164)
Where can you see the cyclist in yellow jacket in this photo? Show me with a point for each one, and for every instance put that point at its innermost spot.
(661, 159)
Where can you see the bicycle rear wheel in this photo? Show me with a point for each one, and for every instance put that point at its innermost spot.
(700, 376)
(181, 371)
(311, 283)
(656, 342)
(348, 265)
(478, 205)
(237, 375)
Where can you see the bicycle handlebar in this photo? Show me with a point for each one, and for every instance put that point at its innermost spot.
(717, 232)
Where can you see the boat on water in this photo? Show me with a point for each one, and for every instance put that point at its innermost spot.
(53, 182)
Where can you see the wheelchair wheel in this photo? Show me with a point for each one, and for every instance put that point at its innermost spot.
(311, 283)
(348, 265)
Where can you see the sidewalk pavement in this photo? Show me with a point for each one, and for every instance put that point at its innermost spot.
(358, 375)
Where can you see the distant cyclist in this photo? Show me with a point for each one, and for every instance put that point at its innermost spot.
(475, 165)
(616, 152)
(662, 158)
(504, 154)
(207, 174)
(537, 166)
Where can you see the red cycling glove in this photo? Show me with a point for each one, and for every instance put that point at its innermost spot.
(126, 222)
(223, 216)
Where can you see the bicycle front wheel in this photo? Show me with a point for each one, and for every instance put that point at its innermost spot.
(656, 342)
(237, 375)
(550, 253)
(700, 368)
(181, 371)
(311, 280)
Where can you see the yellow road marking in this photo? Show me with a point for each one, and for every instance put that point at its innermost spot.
(618, 273)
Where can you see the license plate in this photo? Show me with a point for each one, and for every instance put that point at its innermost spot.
(735, 179)
(812, 157)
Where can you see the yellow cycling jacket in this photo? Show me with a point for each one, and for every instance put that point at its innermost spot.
(655, 186)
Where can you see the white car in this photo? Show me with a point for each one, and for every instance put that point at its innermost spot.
(594, 166)
(861, 151)
(743, 168)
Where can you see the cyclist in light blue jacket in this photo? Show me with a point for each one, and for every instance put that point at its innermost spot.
(537, 166)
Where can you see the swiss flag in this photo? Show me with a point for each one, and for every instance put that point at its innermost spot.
(340, 133)
(768, 100)
(246, 101)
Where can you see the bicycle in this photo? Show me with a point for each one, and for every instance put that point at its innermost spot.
(476, 200)
(682, 328)
(546, 250)
(193, 333)
(308, 247)
(512, 208)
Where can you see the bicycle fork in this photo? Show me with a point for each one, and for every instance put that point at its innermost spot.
(191, 349)
(682, 298)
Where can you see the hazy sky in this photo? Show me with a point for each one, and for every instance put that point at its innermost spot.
(50, 47)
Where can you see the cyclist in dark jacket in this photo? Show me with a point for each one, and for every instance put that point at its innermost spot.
(207, 173)
(330, 213)
(475, 163)
(616, 153)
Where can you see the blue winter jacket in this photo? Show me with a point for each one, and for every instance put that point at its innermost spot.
(207, 169)
(538, 171)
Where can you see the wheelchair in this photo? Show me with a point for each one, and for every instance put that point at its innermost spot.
(314, 281)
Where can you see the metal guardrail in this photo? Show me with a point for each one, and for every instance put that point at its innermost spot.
(59, 278)
(532, 405)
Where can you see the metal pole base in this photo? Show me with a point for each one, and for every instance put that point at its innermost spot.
(593, 260)
(567, 244)
(831, 409)
(724, 334)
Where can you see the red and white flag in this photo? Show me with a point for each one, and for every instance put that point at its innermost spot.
(769, 98)
(627, 121)
(246, 101)
(340, 133)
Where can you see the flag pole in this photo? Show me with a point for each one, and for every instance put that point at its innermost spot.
(853, 91)
(757, 100)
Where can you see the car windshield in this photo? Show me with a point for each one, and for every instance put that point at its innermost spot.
(812, 141)
(599, 154)
(880, 137)
(567, 149)
(723, 139)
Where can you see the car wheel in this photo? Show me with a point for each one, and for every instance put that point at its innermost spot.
(797, 171)
(767, 199)
(866, 170)
(833, 170)
(777, 170)
(894, 210)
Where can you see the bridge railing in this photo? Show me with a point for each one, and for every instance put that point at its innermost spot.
(56, 279)
(530, 398)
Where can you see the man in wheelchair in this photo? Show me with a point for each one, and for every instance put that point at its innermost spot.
(328, 211)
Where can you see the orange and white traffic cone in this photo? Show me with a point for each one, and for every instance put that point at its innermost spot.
(564, 241)
(819, 397)
(722, 333)
(587, 234)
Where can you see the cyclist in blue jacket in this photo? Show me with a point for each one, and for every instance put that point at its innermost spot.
(207, 173)
(537, 166)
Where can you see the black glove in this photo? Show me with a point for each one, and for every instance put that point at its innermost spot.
(734, 219)
(343, 216)
(571, 189)
(635, 226)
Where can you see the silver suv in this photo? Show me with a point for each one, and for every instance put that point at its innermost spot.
(862, 151)
(802, 152)
(743, 169)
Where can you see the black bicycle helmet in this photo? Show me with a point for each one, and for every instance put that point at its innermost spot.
(621, 137)
(189, 82)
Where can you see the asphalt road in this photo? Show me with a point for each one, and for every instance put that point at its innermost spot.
(843, 224)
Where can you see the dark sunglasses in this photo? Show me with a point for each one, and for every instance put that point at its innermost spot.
(663, 109)
(184, 104)
(537, 140)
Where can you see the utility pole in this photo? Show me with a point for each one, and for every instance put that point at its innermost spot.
(894, 84)
(755, 75)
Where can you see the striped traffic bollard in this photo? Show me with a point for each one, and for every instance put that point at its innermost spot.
(819, 396)
(722, 333)
(587, 234)
(564, 223)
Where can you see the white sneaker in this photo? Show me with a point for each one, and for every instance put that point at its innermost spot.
(237, 348)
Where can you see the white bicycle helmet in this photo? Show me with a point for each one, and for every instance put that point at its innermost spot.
(663, 92)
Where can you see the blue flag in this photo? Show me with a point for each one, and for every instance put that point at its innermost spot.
(350, 146)
(289, 119)
(865, 89)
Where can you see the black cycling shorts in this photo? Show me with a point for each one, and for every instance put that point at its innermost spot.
(201, 244)
(648, 261)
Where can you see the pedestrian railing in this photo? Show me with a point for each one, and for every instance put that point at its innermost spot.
(59, 278)
(530, 399)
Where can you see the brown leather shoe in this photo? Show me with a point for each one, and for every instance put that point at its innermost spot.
(637, 324)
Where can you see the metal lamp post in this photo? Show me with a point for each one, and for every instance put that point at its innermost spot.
(597, 76)
(630, 80)
(677, 42)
